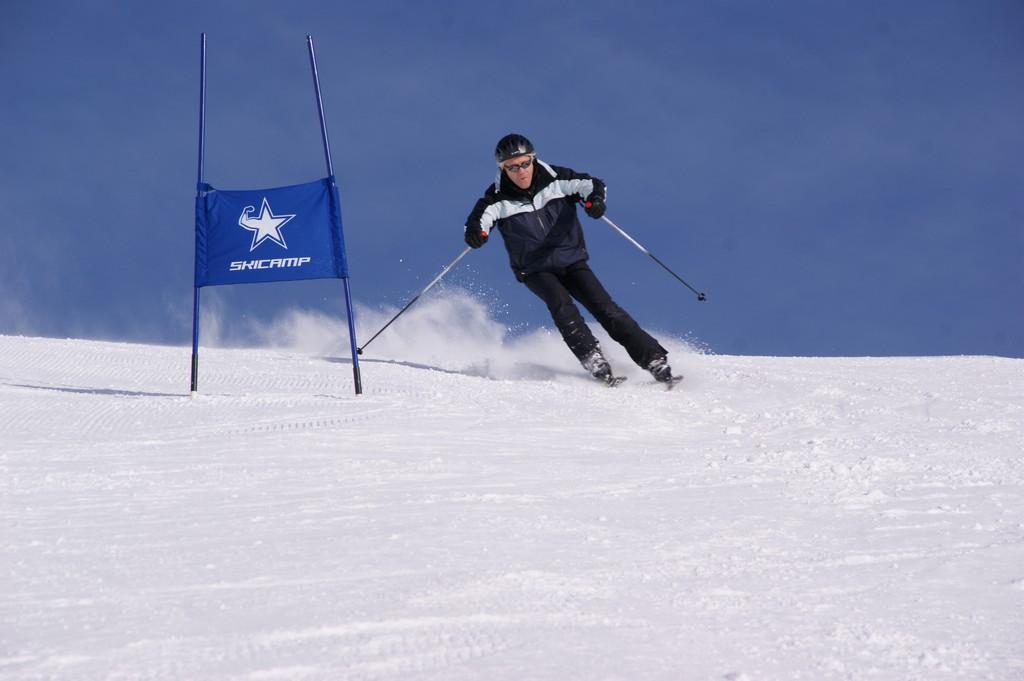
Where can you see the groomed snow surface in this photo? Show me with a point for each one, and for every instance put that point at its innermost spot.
(484, 511)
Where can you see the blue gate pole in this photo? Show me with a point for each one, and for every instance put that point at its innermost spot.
(199, 192)
(330, 171)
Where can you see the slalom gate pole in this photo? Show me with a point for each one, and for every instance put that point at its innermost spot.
(356, 375)
(417, 297)
(700, 296)
(199, 192)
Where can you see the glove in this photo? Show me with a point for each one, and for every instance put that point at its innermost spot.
(475, 237)
(594, 205)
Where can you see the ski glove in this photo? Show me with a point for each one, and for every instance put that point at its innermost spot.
(594, 205)
(475, 237)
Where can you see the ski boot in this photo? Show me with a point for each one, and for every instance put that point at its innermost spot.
(595, 363)
(662, 372)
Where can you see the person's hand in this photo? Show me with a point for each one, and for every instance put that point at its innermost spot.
(475, 237)
(594, 206)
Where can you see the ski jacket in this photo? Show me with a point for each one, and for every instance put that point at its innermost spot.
(539, 224)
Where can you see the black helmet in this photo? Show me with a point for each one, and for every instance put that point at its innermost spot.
(511, 146)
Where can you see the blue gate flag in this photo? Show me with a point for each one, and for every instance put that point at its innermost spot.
(261, 235)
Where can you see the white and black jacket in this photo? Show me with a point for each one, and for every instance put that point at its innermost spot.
(539, 224)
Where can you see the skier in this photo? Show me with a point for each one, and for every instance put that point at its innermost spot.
(533, 205)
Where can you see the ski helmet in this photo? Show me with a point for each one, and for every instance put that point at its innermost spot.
(511, 146)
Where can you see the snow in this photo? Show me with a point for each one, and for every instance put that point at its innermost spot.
(484, 511)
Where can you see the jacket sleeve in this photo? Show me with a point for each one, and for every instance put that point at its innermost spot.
(581, 185)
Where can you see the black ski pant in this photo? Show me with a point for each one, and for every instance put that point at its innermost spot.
(558, 288)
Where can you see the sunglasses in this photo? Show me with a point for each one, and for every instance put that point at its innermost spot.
(513, 167)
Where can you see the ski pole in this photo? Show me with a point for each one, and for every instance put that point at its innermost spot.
(700, 295)
(447, 267)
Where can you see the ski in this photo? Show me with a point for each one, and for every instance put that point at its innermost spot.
(671, 383)
(614, 381)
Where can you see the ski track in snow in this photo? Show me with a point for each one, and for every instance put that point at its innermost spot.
(771, 518)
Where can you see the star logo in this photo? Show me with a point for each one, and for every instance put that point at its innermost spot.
(266, 226)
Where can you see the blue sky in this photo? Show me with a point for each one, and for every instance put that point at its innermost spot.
(840, 178)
